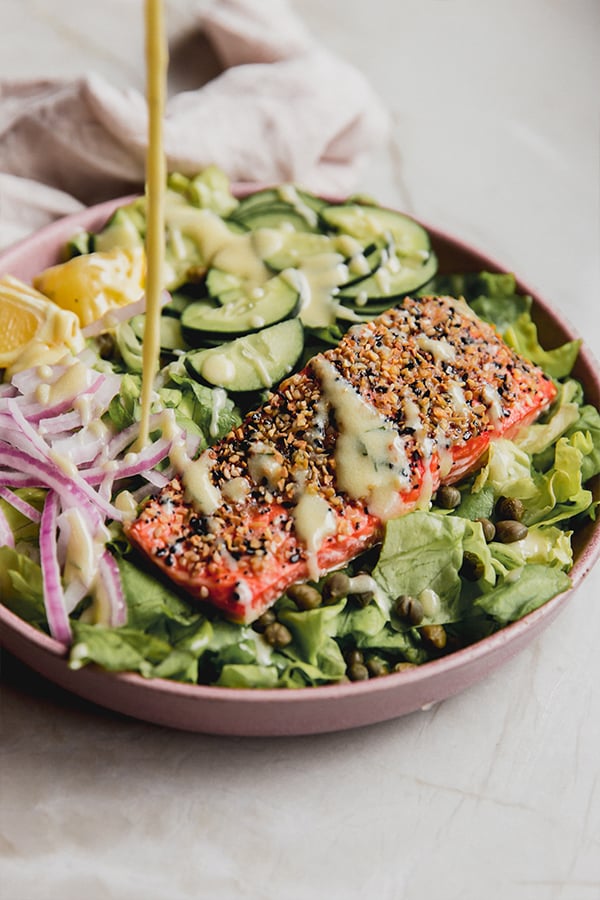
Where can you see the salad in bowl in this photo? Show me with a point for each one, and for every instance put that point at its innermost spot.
(360, 462)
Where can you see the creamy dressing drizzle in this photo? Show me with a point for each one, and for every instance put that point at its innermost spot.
(199, 487)
(289, 194)
(316, 280)
(257, 362)
(82, 550)
(314, 521)
(492, 400)
(441, 350)
(263, 466)
(126, 503)
(370, 457)
(236, 490)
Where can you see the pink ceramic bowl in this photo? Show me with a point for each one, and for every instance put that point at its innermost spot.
(311, 710)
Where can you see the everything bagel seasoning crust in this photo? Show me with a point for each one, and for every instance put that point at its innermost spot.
(371, 428)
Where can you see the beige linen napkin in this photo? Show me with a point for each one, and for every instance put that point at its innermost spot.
(283, 109)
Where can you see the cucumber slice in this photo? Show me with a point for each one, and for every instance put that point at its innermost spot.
(285, 193)
(296, 246)
(176, 305)
(251, 363)
(376, 223)
(220, 282)
(80, 244)
(243, 313)
(360, 266)
(394, 278)
(170, 336)
(276, 215)
(407, 263)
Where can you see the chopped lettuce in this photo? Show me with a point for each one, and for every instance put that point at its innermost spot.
(194, 405)
(422, 551)
(21, 587)
(208, 190)
(23, 529)
(423, 554)
(522, 337)
(494, 297)
(523, 591)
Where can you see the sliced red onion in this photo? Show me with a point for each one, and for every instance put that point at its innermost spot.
(80, 448)
(147, 458)
(158, 479)
(142, 493)
(27, 380)
(21, 505)
(54, 601)
(73, 490)
(19, 479)
(109, 590)
(61, 424)
(27, 430)
(35, 412)
(127, 437)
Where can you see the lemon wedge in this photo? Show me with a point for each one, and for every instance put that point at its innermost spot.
(32, 328)
(92, 284)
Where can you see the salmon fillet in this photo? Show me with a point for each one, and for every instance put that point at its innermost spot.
(368, 430)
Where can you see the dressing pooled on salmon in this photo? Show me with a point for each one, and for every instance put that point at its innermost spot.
(366, 432)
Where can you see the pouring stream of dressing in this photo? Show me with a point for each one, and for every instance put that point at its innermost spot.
(156, 69)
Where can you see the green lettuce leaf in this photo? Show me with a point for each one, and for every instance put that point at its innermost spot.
(539, 436)
(208, 190)
(193, 404)
(248, 676)
(425, 551)
(559, 494)
(21, 587)
(522, 337)
(544, 545)
(523, 591)
(132, 650)
(507, 472)
(23, 528)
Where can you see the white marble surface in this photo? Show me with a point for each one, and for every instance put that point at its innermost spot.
(495, 793)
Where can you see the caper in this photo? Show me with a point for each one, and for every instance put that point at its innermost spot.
(277, 635)
(448, 497)
(508, 531)
(358, 672)
(105, 344)
(403, 666)
(267, 618)
(336, 587)
(472, 567)
(510, 508)
(409, 608)
(434, 635)
(353, 657)
(304, 596)
(377, 667)
(489, 529)
(363, 598)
